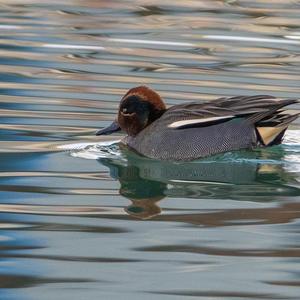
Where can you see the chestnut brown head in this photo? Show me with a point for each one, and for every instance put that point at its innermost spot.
(138, 108)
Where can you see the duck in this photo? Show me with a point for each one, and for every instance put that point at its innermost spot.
(194, 130)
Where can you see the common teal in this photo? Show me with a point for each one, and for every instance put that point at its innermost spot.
(194, 130)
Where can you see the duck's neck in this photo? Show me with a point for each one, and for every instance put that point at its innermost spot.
(155, 114)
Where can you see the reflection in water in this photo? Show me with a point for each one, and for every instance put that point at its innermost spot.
(240, 175)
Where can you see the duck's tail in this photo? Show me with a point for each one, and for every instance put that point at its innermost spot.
(271, 125)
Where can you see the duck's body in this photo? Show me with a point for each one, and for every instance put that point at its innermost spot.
(192, 130)
(161, 142)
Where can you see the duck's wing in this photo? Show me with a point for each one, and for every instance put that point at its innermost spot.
(261, 110)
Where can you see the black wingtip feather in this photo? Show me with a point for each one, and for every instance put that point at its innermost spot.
(272, 111)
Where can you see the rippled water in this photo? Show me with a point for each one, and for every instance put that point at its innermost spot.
(83, 219)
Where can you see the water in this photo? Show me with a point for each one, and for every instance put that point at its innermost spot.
(83, 219)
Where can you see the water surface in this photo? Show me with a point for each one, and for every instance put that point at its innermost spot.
(82, 219)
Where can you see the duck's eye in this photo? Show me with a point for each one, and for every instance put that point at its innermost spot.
(133, 105)
(127, 111)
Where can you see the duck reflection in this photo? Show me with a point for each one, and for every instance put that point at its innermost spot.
(239, 176)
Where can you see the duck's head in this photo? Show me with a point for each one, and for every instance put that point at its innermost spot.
(138, 108)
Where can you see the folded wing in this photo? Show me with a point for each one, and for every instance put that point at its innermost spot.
(264, 112)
